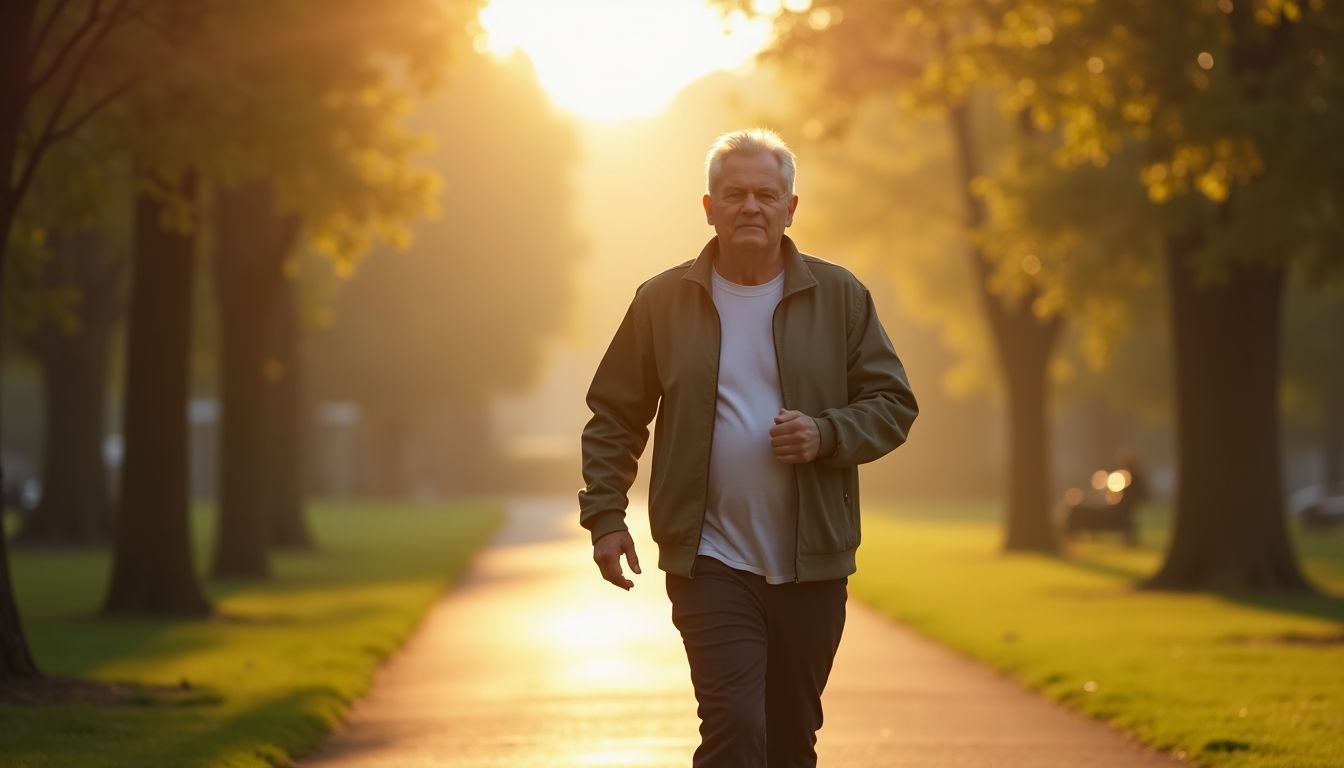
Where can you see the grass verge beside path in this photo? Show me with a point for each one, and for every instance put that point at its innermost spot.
(1220, 681)
(267, 677)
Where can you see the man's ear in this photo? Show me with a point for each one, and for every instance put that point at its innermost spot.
(793, 206)
(709, 209)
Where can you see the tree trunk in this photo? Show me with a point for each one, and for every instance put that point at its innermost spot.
(1230, 532)
(76, 506)
(1023, 344)
(249, 278)
(289, 520)
(152, 570)
(16, 662)
(16, 18)
(1332, 439)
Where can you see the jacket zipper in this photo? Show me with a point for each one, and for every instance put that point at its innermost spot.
(784, 401)
(713, 420)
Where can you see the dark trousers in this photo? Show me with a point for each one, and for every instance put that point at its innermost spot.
(759, 655)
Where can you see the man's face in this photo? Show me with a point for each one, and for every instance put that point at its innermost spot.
(749, 205)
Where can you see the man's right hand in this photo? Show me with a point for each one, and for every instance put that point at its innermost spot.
(607, 553)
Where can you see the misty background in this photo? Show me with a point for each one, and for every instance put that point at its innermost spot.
(459, 364)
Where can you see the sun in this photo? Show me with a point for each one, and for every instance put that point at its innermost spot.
(617, 59)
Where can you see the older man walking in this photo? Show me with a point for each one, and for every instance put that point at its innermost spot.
(772, 380)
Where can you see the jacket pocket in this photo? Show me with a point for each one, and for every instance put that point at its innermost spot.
(851, 496)
(827, 510)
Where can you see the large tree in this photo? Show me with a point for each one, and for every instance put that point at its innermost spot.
(288, 89)
(252, 242)
(347, 173)
(1230, 112)
(290, 528)
(50, 87)
(152, 568)
(165, 125)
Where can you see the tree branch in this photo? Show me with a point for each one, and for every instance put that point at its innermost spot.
(45, 27)
(71, 43)
(51, 133)
(96, 106)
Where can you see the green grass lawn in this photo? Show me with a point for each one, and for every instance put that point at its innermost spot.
(1220, 681)
(265, 680)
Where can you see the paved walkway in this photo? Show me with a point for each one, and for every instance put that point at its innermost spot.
(535, 662)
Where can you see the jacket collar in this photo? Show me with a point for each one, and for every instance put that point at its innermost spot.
(797, 275)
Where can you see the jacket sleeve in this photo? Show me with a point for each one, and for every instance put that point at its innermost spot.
(623, 397)
(881, 404)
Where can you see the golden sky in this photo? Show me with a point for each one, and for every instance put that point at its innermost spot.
(616, 59)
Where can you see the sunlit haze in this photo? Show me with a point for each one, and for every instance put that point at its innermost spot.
(614, 59)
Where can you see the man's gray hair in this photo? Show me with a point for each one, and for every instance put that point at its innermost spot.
(750, 140)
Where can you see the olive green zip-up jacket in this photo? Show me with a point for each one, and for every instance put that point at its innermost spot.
(836, 365)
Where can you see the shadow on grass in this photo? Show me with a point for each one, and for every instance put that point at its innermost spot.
(65, 647)
(61, 691)
(276, 731)
(111, 724)
(1319, 606)
(129, 640)
(1134, 576)
(1325, 607)
(365, 557)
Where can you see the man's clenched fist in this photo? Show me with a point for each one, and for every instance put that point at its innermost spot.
(795, 437)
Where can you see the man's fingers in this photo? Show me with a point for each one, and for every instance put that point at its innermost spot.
(607, 554)
(611, 571)
(786, 415)
(632, 558)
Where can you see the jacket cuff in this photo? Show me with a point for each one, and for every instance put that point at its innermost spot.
(611, 521)
(827, 429)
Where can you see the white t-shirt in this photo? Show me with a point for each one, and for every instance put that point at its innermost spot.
(752, 511)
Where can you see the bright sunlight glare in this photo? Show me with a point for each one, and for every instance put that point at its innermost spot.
(615, 59)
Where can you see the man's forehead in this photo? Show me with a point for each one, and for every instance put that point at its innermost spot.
(755, 170)
(747, 161)
(763, 182)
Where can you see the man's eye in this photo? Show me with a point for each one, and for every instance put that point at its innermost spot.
(768, 197)
(733, 197)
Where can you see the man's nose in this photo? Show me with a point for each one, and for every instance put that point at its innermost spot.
(751, 204)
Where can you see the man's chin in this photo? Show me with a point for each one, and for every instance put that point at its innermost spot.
(751, 238)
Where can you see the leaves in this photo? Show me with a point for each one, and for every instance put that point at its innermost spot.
(313, 95)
